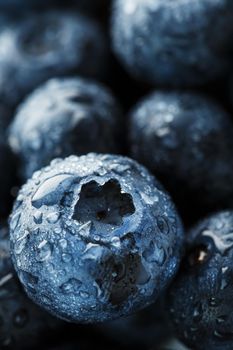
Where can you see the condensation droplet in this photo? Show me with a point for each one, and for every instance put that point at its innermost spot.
(62, 243)
(44, 251)
(66, 257)
(37, 217)
(71, 286)
(84, 294)
(115, 241)
(48, 194)
(15, 220)
(53, 218)
(84, 230)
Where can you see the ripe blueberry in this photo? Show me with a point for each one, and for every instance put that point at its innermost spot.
(42, 45)
(94, 238)
(186, 140)
(63, 117)
(173, 42)
(200, 300)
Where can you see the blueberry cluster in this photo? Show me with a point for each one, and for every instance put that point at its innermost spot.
(116, 174)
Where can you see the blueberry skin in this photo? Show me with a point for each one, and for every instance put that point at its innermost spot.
(21, 321)
(186, 140)
(200, 300)
(172, 44)
(94, 238)
(63, 117)
(39, 46)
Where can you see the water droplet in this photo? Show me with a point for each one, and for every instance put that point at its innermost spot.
(19, 246)
(224, 283)
(218, 334)
(159, 255)
(102, 171)
(221, 319)
(93, 252)
(20, 197)
(38, 217)
(44, 251)
(57, 230)
(143, 276)
(46, 300)
(115, 241)
(20, 318)
(84, 230)
(29, 280)
(62, 243)
(53, 218)
(147, 199)
(21, 243)
(71, 286)
(99, 292)
(51, 190)
(194, 329)
(66, 257)
(212, 302)
(148, 253)
(84, 294)
(224, 269)
(15, 220)
(162, 224)
(119, 168)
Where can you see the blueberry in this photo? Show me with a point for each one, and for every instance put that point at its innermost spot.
(38, 46)
(63, 117)
(200, 300)
(21, 322)
(94, 238)
(173, 43)
(186, 139)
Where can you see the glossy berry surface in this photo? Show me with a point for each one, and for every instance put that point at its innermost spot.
(63, 117)
(186, 140)
(42, 45)
(94, 238)
(200, 300)
(21, 321)
(172, 43)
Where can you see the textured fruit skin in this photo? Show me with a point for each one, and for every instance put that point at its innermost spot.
(21, 321)
(186, 140)
(172, 43)
(94, 238)
(63, 117)
(200, 300)
(38, 46)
